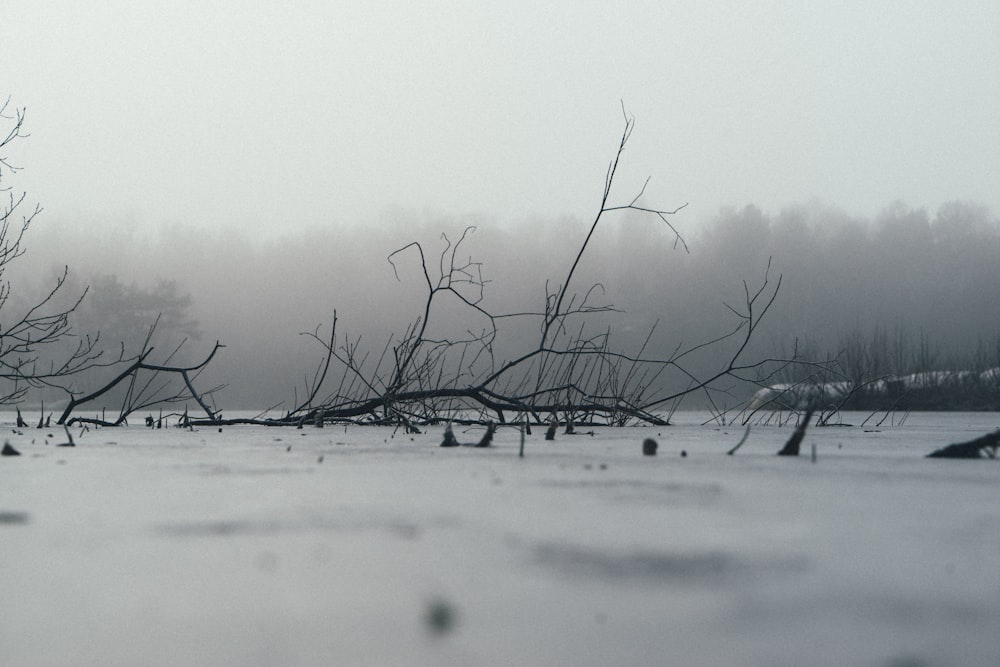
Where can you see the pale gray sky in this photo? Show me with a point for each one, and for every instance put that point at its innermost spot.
(278, 115)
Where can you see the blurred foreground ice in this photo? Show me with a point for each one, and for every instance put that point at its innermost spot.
(169, 547)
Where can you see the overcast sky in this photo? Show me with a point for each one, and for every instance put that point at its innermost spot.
(274, 116)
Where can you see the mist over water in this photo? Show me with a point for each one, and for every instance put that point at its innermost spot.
(919, 277)
(249, 169)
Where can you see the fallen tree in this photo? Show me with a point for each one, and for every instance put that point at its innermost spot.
(147, 385)
(983, 447)
(571, 372)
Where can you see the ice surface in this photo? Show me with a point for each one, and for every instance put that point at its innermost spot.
(170, 547)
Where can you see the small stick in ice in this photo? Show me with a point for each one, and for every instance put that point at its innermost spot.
(449, 437)
(746, 434)
(69, 442)
(487, 438)
(451, 441)
(791, 447)
(550, 432)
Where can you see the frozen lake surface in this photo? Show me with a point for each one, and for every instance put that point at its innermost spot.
(359, 546)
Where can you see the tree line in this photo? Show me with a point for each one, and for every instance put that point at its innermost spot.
(646, 292)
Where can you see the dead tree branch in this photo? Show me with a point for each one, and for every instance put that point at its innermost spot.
(38, 348)
(140, 400)
(434, 371)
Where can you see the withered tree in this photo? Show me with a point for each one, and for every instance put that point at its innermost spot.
(570, 373)
(38, 348)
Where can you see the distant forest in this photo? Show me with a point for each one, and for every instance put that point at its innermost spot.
(919, 288)
(925, 288)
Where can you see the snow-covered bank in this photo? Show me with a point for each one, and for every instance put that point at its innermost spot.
(162, 547)
(884, 391)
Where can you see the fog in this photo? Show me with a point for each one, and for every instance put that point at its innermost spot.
(250, 167)
(260, 117)
(911, 273)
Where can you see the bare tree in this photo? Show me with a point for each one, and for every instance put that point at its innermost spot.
(430, 373)
(38, 348)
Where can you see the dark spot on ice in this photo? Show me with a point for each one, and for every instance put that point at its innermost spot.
(649, 446)
(405, 530)
(684, 453)
(440, 617)
(648, 565)
(604, 466)
(213, 469)
(606, 564)
(14, 518)
(266, 561)
(9, 451)
(399, 527)
(222, 528)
